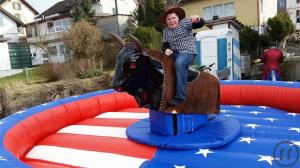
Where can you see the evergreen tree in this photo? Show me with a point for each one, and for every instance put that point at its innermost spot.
(139, 15)
(153, 8)
(280, 26)
(82, 10)
(148, 12)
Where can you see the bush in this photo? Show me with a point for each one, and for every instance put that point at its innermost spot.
(249, 40)
(109, 54)
(84, 41)
(150, 38)
(56, 71)
(89, 73)
(82, 68)
(280, 26)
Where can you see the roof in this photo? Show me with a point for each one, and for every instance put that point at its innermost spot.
(25, 3)
(231, 19)
(11, 16)
(62, 8)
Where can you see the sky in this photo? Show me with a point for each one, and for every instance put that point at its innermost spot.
(42, 5)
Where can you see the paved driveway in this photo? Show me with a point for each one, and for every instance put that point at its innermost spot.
(9, 72)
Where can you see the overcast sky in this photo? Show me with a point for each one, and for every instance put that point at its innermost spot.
(42, 5)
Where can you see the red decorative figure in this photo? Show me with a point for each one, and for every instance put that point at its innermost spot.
(271, 58)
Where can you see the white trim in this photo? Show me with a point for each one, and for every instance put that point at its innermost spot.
(83, 158)
(124, 115)
(115, 132)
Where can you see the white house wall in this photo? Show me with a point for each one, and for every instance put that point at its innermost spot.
(59, 57)
(9, 30)
(36, 55)
(117, 24)
(124, 6)
(4, 57)
(292, 7)
(268, 10)
(27, 15)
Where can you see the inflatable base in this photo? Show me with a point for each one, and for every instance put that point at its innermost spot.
(167, 124)
(217, 132)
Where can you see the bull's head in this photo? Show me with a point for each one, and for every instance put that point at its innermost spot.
(129, 51)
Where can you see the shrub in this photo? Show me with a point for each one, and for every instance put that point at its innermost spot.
(150, 38)
(84, 41)
(280, 26)
(109, 54)
(90, 73)
(56, 71)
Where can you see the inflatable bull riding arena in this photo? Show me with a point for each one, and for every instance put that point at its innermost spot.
(221, 124)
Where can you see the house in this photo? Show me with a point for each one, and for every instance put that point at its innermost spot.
(114, 16)
(22, 10)
(13, 55)
(48, 27)
(45, 34)
(9, 26)
(254, 13)
(293, 9)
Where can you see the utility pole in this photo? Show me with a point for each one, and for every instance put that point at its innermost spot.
(117, 12)
(116, 5)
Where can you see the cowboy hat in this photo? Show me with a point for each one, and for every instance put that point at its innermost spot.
(172, 9)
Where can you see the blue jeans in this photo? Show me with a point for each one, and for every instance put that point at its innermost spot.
(182, 62)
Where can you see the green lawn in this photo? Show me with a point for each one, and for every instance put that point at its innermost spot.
(19, 79)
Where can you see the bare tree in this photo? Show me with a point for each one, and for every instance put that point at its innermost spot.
(3, 103)
(40, 41)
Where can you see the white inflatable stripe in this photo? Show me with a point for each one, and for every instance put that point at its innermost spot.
(83, 158)
(123, 115)
(116, 132)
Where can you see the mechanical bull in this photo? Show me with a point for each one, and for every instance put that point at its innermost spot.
(149, 76)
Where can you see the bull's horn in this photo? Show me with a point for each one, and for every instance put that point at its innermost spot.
(119, 39)
(137, 42)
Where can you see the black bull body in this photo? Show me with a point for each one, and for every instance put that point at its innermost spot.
(150, 77)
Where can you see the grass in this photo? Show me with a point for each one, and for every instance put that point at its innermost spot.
(20, 79)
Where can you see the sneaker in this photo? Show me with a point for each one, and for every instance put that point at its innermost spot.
(174, 102)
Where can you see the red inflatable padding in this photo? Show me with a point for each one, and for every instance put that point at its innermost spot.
(273, 96)
(24, 135)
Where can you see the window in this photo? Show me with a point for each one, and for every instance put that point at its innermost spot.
(18, 16)
(208, 13)
(66, 24)
(16, 6)
(58, 26)
(222, 10)
(61, 25)
(62, 49)
(297, 16)
(50, 28)
(52, 50)
(44, 55)
(219, 10)
(298, 1)
(229, 9)
(31, 31)
(1, 21)
(20, 29)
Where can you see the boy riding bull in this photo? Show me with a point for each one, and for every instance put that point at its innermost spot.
(179, 42)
